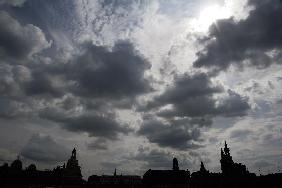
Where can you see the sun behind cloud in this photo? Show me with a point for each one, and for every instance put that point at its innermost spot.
(209, 15)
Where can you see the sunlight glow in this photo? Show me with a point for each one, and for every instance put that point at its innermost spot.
(208, 16)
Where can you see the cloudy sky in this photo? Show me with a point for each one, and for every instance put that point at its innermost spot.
(133, 83)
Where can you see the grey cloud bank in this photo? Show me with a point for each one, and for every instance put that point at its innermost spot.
(253, 41)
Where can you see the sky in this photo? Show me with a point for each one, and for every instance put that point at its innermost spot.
(133, 83)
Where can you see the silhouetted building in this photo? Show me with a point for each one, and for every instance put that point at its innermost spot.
(17, 164)
(234, 175)
(72, 171)
(203, 178)
(114, 181)
(61, 176)
(203, 169)
(203, 172)
(228, 167)
(31, 168)
(166, 178)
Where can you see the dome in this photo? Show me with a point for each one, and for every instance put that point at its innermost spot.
(17, 165)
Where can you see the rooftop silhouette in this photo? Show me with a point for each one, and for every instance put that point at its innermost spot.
(69, 175)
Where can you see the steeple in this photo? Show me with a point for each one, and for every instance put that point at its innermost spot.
(115, 173)
(202, 168)
(73, 153)
(226, 149)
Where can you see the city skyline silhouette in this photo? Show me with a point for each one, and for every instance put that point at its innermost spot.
(69, 175)
(135, 85)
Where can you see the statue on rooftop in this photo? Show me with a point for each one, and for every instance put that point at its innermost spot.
(175, 164)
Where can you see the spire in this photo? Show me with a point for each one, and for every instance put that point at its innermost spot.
(115, 173)
(226, 149)
(73, 153)
(202, 168)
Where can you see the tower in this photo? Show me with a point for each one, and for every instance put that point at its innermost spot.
(175, 164)
(226, 161)
(228, 167)
(72, 167)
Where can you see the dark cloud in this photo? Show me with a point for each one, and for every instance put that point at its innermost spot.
(22, 89)
(8, 86)
(193, 96)
(233, 105)
(115, 73)
(42, 84)
(42, 78)
(98, 144)
(58, 19)
(95, 125)
(168, 135)
(255, 40)
(19, 41)
(11, 109)
(192, 122)
(193, 106)
(44, 149)
(189, 85)
(154, 158)
(98, 79)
